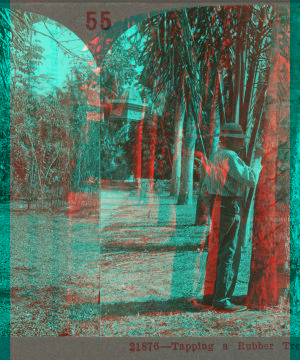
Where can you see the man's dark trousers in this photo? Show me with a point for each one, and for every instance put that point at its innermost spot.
(228, 249)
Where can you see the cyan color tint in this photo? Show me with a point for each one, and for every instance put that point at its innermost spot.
(294, 181)
(4, 183)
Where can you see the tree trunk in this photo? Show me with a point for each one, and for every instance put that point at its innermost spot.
(214, 129)
(187, 163)
(137, 153)
(250, 80)
(149, 158)
(237, 70)
(176, 165)
(263, 273)
(214, 142)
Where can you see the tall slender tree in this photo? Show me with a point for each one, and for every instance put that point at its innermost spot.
(263, 286)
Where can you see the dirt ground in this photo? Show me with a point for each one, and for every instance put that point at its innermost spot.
(121, 267)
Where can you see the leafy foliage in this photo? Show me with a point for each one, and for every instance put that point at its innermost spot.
(216, 57)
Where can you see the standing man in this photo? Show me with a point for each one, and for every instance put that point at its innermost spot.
(231, 177)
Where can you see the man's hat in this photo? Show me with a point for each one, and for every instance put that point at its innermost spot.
(232, 130)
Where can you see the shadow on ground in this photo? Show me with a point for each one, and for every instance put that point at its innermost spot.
(85, 311)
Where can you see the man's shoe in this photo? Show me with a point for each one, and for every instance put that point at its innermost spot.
(229, 307)
(195, 305)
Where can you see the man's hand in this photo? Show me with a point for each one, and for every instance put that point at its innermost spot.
(257, 167)
(199, 155)
(200, 161)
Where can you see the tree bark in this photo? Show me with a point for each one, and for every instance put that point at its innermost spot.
(251, 78)
(237, 70)
(262, 290)
(187, 163)
(176, 165)
(214, 129)
(214, 142)
(149, 158)
(137, 153)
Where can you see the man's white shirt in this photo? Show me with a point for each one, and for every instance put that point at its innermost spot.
(228, 174)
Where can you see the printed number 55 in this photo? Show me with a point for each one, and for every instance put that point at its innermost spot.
(91, 21)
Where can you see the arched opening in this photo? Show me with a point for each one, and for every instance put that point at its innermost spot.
(53, 82)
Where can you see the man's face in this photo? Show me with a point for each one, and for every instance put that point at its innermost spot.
(236, 144)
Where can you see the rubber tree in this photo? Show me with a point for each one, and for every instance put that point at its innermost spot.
(176, 165)
(263, 285)
(149, 143)
(137, 153)
(187, 161)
